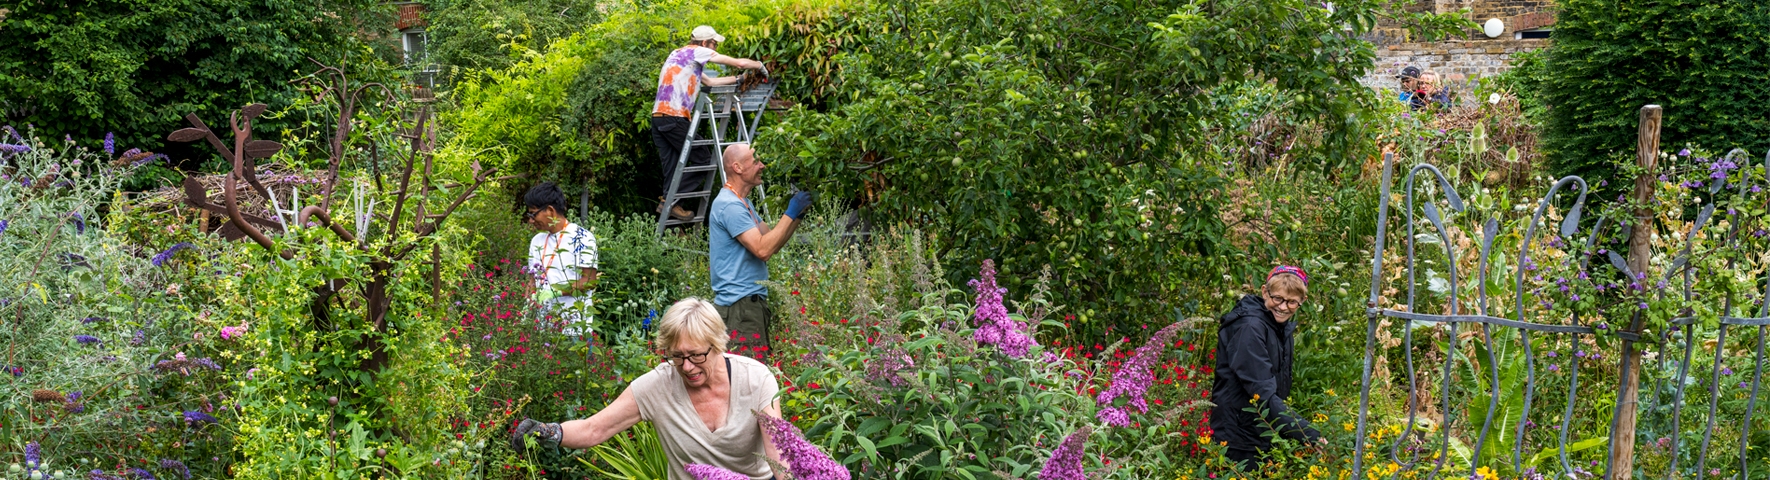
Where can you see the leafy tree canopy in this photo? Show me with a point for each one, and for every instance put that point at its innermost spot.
(1706, 61)
(136, 68)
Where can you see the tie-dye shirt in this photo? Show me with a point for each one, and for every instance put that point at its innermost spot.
(680, 79)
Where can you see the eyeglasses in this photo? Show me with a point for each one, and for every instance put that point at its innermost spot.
(1285, 302)
(529, 215)
(696, 358)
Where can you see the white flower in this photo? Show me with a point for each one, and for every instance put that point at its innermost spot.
(1493, 98)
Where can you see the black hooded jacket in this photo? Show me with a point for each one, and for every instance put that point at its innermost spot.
(1254, 355)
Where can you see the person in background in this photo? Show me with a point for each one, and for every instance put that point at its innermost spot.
(681, 77)
(1410, 79)
(562, 257)
(1255, 343)
(1430, 93)
(702, 402)
(738, 248)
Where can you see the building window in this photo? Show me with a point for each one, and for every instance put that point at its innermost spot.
(1533, 33)
(413, 40)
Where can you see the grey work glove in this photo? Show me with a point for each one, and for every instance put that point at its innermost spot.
(546, 434)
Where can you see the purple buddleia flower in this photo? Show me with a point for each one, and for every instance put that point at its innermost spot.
(33, 455)
(709, 472)
(1066, 461)
(100, 475)
(994, 327)
(162, 257)
(139, 338)
(72, 404)
(198, 418)
(884, 368)
(140, 474)
(110, 143)
(1134, 378)
(149, 159)
(805, 460)
(3, 224)
(86, 339)
(79, 222)
(91, 320)
(9, 149)
(175, 466)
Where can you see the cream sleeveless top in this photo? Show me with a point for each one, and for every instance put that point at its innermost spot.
(736, 446)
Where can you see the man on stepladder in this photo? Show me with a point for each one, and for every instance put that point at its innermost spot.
(679, 80)
(738, 248)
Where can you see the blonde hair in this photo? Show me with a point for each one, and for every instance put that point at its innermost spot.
(693, 319)
(1287, 282)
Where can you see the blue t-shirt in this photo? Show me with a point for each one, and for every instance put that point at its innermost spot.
(735, 272)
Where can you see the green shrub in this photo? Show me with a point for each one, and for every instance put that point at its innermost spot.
(1706, 61)
(113, 355)
(136, 68)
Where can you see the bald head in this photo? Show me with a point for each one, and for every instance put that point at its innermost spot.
(737, 152)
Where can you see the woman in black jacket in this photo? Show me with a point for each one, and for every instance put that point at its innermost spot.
(1254, 356)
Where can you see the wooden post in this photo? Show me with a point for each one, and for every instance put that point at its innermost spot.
(1622, 439)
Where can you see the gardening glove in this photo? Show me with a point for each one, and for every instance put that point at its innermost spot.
(797, 205)
(546, 434)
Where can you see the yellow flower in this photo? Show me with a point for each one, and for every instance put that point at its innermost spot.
(1350, 426)
(1331, 393)
(1320, 418)
(1256, 398)
(1487, 473)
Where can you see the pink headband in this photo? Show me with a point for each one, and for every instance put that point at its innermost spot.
(1291, 270)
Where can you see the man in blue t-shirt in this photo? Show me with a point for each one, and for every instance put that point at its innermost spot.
(738, 247)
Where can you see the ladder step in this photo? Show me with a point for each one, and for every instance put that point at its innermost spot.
(673, 221)
(702, 168)
(681, 196)
(709, 141)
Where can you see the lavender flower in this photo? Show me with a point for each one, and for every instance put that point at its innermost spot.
(1554, 367)
(1134, 378)
(198, 418)
(1726, 371)
(1066, 461)
(709, 472)
(805, 460)
(162, 257)
(148, 159)
(86, 339)
(110, 143)
(176, 466)
(72, 404)
(1685, 152)
(994, 327)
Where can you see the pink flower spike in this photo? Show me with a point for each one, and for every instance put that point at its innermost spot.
(1066, 461)
(806, 461)
(709, 472)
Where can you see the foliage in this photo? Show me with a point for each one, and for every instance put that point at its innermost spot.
(577, 110)
(136, 68)
(1705, 61)
(885, 372)
(1070, 134)
(467, 35)
(112, 359)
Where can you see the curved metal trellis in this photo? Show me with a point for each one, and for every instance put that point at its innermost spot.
(1567, 229)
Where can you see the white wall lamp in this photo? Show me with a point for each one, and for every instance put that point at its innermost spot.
(1493, 28)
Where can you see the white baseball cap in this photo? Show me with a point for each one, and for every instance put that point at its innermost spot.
(705, 32)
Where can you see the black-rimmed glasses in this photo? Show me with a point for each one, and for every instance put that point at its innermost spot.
(695, 358)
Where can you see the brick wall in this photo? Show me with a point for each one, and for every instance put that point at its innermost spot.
(1455, 61)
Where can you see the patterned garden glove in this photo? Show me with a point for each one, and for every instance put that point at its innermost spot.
(546, 434)
(797, 205)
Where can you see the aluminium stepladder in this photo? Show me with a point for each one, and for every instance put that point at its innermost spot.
(721, 112)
